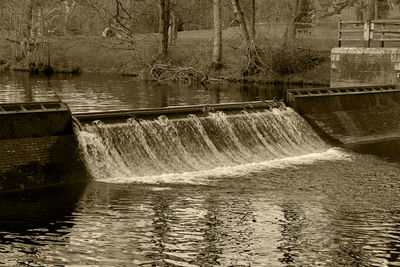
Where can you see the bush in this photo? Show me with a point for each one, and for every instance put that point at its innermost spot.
(293, 60)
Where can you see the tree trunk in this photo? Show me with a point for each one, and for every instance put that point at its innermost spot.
(164, 24)
(359, 14)
(172, 29)
(253, 65)
(253, 20)
(69, 8)
(242, 21)
(290, 33)
(36, 22)
(24, 49)
(370, 10)
(217, 48)
(28, 20)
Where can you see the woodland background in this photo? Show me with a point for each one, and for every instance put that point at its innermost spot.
(180, 40)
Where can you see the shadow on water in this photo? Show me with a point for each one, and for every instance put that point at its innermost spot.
(291, 231)
(387, 149)
(47, 210)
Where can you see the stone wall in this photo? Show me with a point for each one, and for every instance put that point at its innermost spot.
(37, 162)
(351, 66)
(18, 152)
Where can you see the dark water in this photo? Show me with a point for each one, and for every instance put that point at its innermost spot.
(99, 92)
(258, 189)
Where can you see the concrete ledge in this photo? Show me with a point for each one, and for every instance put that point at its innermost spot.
(41, 119)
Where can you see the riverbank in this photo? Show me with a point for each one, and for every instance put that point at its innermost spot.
(193, 50)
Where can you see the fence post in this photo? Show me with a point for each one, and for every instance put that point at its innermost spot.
(383, 35)
(340, 33)
(371, 31)
(367, 32)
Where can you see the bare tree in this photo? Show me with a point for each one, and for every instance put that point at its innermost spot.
(217, 48)
(28, 19)
(237, 10)
(290, 33)
(164, 25)
(68, 8)
(254, 63)
(173, 28)
(253, 20)
(369, 13)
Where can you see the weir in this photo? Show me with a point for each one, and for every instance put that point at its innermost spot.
(41, 147)
(194, 139)
(145, 145)
(350, 115)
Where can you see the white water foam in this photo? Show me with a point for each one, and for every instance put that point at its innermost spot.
(204, 177)
(194, 149)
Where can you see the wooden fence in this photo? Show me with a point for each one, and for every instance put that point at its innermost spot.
(369, 32)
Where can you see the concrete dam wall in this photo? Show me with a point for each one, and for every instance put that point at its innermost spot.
(37, 145)
(350, 115)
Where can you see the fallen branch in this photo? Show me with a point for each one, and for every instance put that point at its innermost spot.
(20, 42)
(167, 73)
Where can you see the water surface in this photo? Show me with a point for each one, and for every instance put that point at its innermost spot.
(102, 92)
(327, 213)
(254, 189)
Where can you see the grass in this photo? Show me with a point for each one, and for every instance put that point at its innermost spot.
(192, 49)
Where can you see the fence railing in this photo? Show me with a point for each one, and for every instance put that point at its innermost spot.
(367, 32)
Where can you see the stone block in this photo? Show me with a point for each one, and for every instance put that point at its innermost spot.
(357, 65)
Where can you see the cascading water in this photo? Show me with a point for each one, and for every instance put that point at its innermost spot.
(134, 150)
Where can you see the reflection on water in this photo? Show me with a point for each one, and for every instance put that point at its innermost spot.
(95, 92)
(33, 221)
(328, 213)
(321, 211)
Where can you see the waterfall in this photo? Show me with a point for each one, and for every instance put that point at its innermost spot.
(136, 149)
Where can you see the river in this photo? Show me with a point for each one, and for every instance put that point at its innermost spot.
(99, 92)
(222, 190)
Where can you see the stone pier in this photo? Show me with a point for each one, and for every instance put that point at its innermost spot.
(355, 66)
(37, 146)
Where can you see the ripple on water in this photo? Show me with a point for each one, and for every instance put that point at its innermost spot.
(326, 213)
